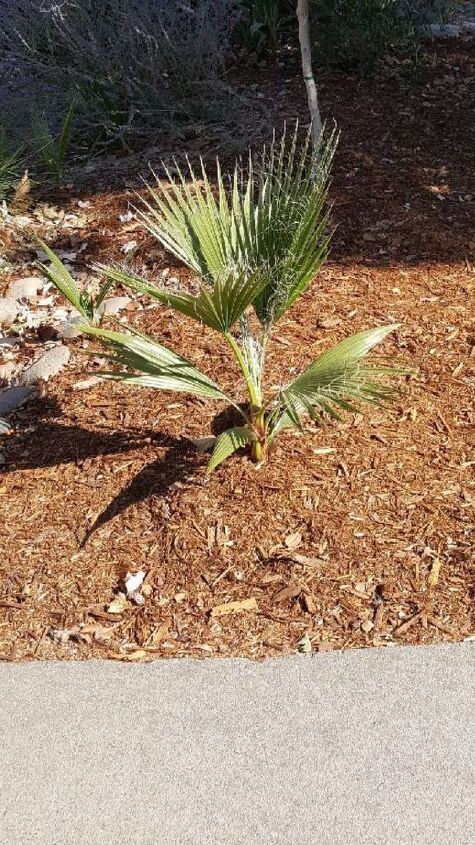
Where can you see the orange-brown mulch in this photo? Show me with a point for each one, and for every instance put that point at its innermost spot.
(357, 534)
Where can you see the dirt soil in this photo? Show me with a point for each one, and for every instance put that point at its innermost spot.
(357, 534)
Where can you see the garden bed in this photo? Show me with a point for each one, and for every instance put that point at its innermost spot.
(357, 534)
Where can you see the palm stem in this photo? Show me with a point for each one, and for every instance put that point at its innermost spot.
(253, 394)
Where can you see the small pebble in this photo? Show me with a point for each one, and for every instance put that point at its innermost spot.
(26, 288)
(8, 311)
(13, 397)
(113, 305)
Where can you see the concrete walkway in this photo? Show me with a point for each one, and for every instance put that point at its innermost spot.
(372, 747)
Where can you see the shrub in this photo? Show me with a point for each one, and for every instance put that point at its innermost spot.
(263, 23)
(255, 247)
(356, 35)
(127, 63)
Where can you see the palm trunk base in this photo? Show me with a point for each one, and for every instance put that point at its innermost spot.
(258, 453)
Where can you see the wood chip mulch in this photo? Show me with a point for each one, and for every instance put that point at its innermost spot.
(357, 534)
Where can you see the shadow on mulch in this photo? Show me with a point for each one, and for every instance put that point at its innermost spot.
(154, 480)
(47, 443)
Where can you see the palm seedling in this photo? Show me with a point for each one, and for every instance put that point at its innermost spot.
(84, 302)
(256, 245)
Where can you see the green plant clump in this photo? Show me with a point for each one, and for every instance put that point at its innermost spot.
(52, 149)
(256, 248)
(10, 165)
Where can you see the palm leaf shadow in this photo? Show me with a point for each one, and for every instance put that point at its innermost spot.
(154, 479)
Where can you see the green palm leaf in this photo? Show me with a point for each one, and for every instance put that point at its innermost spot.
(218, 307)
(334, 378)
(161, 367)
(270, 222)
(227, 443)
(62, 279)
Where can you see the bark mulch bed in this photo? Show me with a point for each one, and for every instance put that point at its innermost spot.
(358, 534)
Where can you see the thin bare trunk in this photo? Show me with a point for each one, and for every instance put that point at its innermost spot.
(304, 38)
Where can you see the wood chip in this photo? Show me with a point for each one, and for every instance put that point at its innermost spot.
(290, 592)
(434, 572)
(308, 603)
(401, 629)
(233, 607)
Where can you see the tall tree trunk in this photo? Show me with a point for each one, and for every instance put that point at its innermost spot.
(304, 38)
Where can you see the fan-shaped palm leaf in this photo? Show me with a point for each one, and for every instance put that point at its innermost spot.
(218, 307)
(227, 443)
(270, 221)
(63, 280)
(334, 378)
(161, 367)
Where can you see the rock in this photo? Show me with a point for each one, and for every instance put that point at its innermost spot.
(69, 329)
(437, 30)
(13, 397)
(113, 305)
(7, 370)
(5, 428)
(9, 342)
(8, 311)
(48, 365)
(25, 288)
(204, 444)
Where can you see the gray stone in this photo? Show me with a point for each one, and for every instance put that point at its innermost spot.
(13, 398)
(9, 342)
(25, 288)
(7, 370)
(113, 305)
(438, 30)
(50, 363)
(8, 311)
(69, 329)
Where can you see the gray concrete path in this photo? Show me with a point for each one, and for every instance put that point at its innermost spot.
(371, 747)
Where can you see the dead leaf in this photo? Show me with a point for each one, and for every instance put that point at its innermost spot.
(292, 541)
(367, 626)
(21, 198)
(434, 572)
(233, 607)
(118, 604)
(307, 561)
(86, 383)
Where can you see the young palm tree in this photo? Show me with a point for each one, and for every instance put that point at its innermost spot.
(256, 245)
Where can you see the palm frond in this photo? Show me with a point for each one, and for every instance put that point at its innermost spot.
(64, 282)
(227, 443)
(333, 379)
(218, 307)
(271, 221)
(161, 367)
